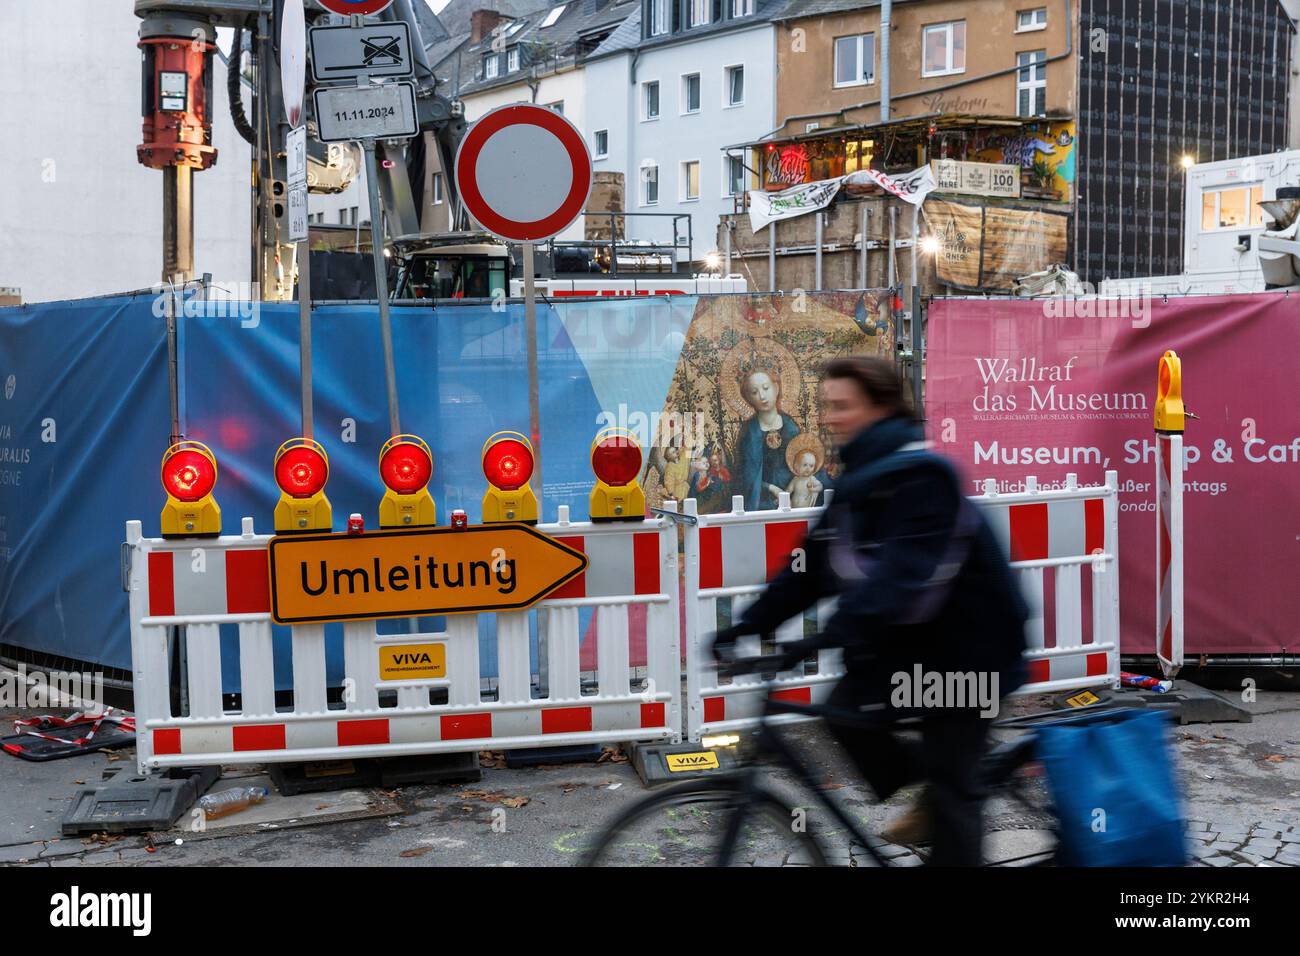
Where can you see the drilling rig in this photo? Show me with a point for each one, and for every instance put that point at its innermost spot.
(178, 42)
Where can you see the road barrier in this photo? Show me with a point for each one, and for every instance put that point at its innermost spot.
(199, 585)
(632, 691)
(729, 558)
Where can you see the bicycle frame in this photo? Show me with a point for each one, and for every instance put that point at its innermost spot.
(769, 741)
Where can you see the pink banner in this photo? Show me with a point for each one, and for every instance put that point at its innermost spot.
(1049, 386)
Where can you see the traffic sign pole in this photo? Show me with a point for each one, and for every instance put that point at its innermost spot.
(523, 173)
(534, 395)
(381, 283)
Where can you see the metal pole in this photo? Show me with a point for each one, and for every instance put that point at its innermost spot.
(893, 275)
(916, 215)
(862, 252)
(304, 331)
(918, 344)
(534, 404)
(178, 223)
(173, 389)
(817, 257)
(726, 247)
(381, 283)
(771, 256)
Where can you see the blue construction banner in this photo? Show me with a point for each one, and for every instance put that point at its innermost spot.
(702, 382)
(85, 421)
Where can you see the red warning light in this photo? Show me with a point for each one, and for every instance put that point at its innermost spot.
(616, 460)
(508, 464)
(405, 468)
(301, 472)
(189, 475)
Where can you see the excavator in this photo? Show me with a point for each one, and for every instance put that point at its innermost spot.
(177, 136)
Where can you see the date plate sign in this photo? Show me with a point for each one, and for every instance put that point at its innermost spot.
(345, 113)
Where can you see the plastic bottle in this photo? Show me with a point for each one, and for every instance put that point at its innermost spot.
(230, 801)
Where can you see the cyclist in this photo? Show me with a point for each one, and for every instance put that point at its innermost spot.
(923, 588)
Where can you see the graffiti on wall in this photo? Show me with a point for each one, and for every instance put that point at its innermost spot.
(1045, 150)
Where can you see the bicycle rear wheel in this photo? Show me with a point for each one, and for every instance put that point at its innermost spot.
(686, 825)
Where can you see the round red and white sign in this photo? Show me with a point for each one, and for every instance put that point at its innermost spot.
(293, 59)
(349, 7)
(523, 172)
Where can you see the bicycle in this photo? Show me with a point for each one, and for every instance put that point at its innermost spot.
(739, 809)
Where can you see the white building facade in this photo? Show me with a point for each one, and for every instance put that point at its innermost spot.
(79, 216)
(662, 115)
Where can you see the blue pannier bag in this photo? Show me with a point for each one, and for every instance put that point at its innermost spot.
(1112, 779)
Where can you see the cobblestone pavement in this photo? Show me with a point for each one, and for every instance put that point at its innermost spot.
(1269, 843)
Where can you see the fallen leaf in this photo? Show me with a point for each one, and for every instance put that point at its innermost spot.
(415, 851)
(832, 786)
(1275, 758)
(322, 806)
(514, 803)
(611, 755)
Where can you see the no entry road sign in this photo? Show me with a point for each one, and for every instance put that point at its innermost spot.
(349, 7)
(523, 172)
(344, 577)
(293, 59)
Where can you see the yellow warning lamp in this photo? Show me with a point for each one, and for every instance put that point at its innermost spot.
(1170, 414)
(406, 465)
(301, 470)
(508, 464)
(616, 460)
(189, 473)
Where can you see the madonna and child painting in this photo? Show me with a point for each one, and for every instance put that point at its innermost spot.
(741, 417)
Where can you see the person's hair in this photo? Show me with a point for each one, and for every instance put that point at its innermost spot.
(877, 378)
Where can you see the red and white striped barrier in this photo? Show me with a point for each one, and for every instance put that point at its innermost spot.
(1170, 464)
(199, 585)
(730, 558)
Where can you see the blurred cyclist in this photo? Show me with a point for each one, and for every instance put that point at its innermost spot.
(924, 588)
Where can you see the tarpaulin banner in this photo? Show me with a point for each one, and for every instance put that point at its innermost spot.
(766, 207)
(1044, 387)
(84, 422)
(989, 247)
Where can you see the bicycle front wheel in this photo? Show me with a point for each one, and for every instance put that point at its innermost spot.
(687, 825)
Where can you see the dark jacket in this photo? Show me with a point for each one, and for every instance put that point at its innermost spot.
(895, 519)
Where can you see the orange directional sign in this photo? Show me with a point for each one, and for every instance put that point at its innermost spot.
(344, 577)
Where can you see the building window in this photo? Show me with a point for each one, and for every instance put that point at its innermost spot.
(1234, 208)
(691, 93)
(602, 143)
(735, 85)
(742, 8)
(809, 127)
(855, 60)
(857, 154)
(650, 100)
(1027, 20)
(650, 185)
(553, 16)
(491, 65)
(735, 175)
(690, 180)
(699, 13)
(656, 18)
(512, 59)
(437, 189)
(558, 106)
(943, 48)
(1031, 83)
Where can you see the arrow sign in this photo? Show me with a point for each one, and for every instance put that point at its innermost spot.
(344, 577)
